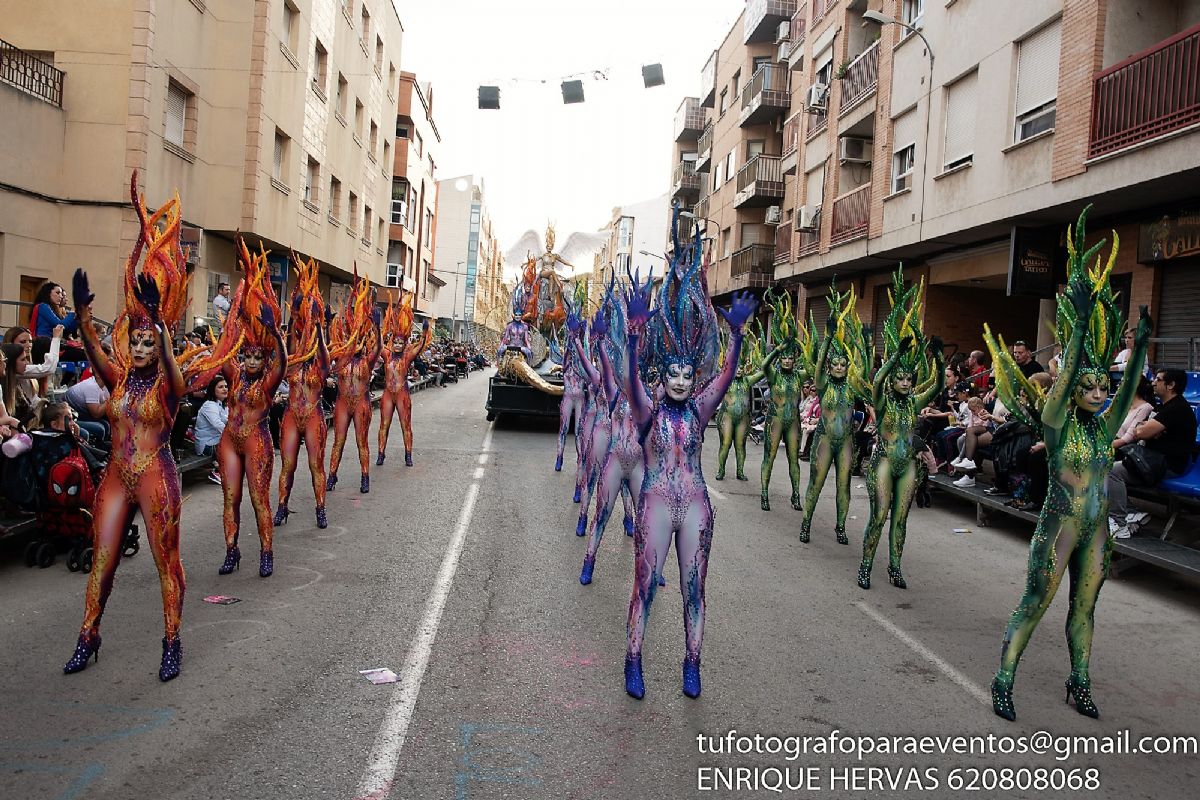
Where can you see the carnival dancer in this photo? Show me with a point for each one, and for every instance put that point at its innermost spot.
(147, 386)
(355, 351)
(308, 368)
(906, 382)
(600, 432)
(733, 417)
(673, 500)
(398, 355)
(574, 386)
(783, 415)
(1072, 532)
(840, 362)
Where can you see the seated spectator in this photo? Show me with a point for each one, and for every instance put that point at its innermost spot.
(1025, 360)
(978, 434)
(945, 442)
(50, 310)
(37, 368)
(979, 374)
(460, 362)
(89, 400)
(1139, 412)
(9, 425)
(18, 398)
(1159, 447)
(210, 422)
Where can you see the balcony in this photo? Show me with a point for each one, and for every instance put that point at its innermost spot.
(708, 82)
(30, 74)
(689, 120)
(807, 243)
(851, 215)
(860, 79)
(685, 182)
(701, 207)
(1148, 95)
(763, 17)
(704, 148)
(815, 124)
(820, 9)
(765, 96)
(752, 267)
(759, 183)
(798, 29)
(783, 244)
(791, 142)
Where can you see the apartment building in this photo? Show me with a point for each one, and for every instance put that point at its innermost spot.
(273, 118)
(468, 258)
(413, 224)
(635, 236)
(965, 148)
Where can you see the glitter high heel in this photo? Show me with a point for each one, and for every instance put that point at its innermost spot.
(365, 485)
(841, 534)
(330, 483)
(87, 647)
(322, 520)
(558, 464)
(581, 526)
(691, 676)
(589, 566)
(281, 515)
(266, 564)
(629, 526)
(172, 659)
(805, 529)
(379, 459)
(233, 560)
(577, 493)
(797, 503)
(864, 575)
(896, 578)
(1081, 690)
(634, 685)
(407, 458)
(1002, 699)
(766, 501)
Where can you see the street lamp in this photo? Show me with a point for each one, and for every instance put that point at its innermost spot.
(880, 18)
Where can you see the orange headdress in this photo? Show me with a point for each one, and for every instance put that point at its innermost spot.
(352, 326)
(308, 312)
(253, 295)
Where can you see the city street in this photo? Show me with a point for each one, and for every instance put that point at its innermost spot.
(522, 693)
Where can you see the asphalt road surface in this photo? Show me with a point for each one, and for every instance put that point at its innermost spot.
(461, 575)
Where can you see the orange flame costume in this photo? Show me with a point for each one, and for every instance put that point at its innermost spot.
(398, 355)
(356, 343)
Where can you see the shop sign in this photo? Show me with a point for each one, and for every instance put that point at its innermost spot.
(1170, 237)
(1035, 264)
(278, 267)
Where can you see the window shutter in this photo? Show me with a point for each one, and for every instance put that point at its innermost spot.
(815, 187)
(176, 109)
(904, 131)
(960, 119)
(278, 157)
(1037, 68)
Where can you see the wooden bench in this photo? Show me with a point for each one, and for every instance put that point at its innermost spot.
(985, 504)
(16, 526)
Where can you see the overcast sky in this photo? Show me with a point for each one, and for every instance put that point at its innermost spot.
(541, 159)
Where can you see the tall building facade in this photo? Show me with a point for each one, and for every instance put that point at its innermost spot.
(414, 203)
(962, 145)
(636, 233)
(273, 118)
(466, 252)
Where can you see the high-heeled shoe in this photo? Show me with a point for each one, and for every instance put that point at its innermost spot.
(322, 520)
(634, 685)
(864, 575)
(577, 493)
(841, 534)
(896, 578)
(330, 483)
(558, 464)
(87, 647)
(365, 485)
(407, 459)
(379, 459)
(629, 526)
(720, 474)
(741, 476)
(233, 560)
(1002, 699)
(281, 515)
(766, 502)
(266, 563)
(589, 566)
(805, 530)
(172, 659)
(797, 503)
(691, 676)
(1081, 690)
(581, 526)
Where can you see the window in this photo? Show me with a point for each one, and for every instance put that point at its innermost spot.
(387, 155)
(366, 25)
(814, 187)
(394, 272)
(417, 141)
(758, 62)
(960, 122)
(432, 167)
(911, 13)
(754, 147)
(726, 242)
(312, 177)
(358, 120)
(335, 197)
(176, 121)
(367, 221)
(378, 54)
(735, 83)
(381, 235)
(904, 151)
(352, 217)
(399, 201)
(391, 77)
(342, 96)
(290, 35)
(401, 130)
(374, 140)
(751, 233)
(428, 225)
(1037, 81)
(281, 156)
(320, 68)
(731, 162)
(719, 175)
(724, 100)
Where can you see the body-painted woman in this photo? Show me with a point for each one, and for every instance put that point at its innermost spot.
(146, 385)
(733, 417)
(308, 368)
(599, 433)
(574, 389)
(245, 448)
(1072, 532)
(355, 352)
(399, 354)
(893, 472)
(783, 415)
(842, 350)
(673, 499)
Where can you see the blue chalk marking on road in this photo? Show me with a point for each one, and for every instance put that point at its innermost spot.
(84, 779)
(157, 718)
(483, 743)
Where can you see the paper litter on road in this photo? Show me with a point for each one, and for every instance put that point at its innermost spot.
(379, 675)
(961, 531)
(222, 599)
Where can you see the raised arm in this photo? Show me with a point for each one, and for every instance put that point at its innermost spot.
(764, 369)
(879, 385)
(823, 354)
(1058, 401)
(322, 347)
(83, 297)
(609, 376)
(1133, 368)
(707, 402)
(638, 313)
(147, 293)
(377, 341)
(416, 348)
(939, 378)
(272, 379)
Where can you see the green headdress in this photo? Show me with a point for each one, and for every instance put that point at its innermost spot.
(904, 320)
(785, 328)
(849, 337)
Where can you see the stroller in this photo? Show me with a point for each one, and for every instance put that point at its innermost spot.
(57, 478)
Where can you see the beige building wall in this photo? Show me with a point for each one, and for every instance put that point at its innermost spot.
(414, 193)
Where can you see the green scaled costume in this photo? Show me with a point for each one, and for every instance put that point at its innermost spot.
(838, 369)
(733, 417)
(1072, 531)
(907, 381)
(785, 382)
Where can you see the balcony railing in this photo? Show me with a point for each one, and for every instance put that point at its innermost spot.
(766, 96)
(821, 8)
(689, 119)
(701, 207)
(760, 182)
(684, 180)
(816, 123)
(1147, 95)
(851, 214)
(753, 266)
(30, 74)
(704, 148)
(798, 28)
(708, 81)
(763, 18)
(783, 244)
(807, 243)
(861, 78)
(791, 134)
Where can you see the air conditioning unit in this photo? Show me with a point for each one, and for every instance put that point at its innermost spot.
(807, 218)
(782, 52)
(783, 32)
(852, 150)
(774, 215)
(814, 101)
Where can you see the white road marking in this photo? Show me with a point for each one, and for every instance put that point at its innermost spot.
(483, 457)
(969, 686)
(380, 773)
(478, 473)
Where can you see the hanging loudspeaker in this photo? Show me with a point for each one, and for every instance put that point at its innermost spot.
(572, 91)
(652, 75)
(489, 97)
